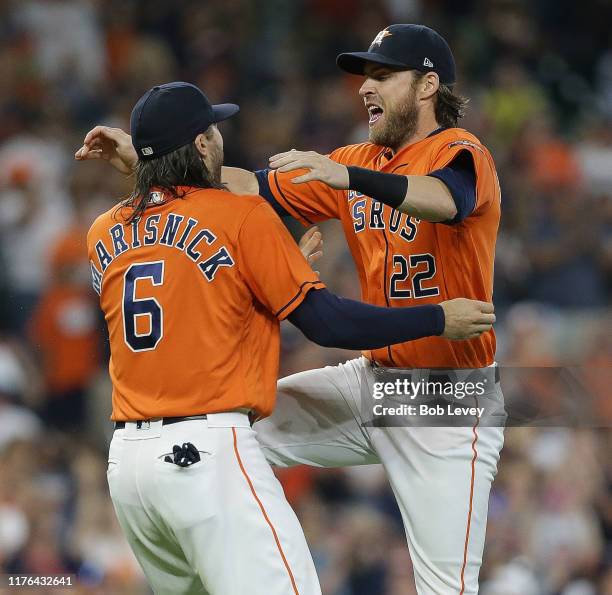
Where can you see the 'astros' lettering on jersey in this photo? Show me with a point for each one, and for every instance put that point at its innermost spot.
(192, 294)
(401, 260)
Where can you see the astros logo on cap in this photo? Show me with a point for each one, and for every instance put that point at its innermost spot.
(381, 35)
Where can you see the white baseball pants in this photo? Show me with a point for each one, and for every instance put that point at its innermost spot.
(441, 476)
(219, 527)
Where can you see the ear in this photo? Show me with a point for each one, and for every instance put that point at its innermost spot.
(201, 143)
(428, 86)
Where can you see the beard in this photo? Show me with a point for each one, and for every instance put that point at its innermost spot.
(398, 124)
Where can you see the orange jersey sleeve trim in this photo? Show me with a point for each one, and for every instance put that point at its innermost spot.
(298, 298)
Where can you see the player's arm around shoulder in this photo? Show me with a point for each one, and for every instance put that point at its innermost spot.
(331, 169)
(239, 181)
(424, 197)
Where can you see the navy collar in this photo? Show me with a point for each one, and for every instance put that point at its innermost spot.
(436, 131)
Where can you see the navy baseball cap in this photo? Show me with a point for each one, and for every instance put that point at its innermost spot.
(169, 116)
(405, 47)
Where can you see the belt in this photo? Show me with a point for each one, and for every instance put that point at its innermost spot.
(120, 425)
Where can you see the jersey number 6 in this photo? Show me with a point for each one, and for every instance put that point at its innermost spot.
(149, 307)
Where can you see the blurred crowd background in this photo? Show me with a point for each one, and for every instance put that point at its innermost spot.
(539, 75)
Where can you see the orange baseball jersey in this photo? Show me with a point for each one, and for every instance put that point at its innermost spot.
(401, 260)
(193, 294)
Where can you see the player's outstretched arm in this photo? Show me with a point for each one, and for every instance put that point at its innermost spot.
(425, 197)
(111, 144)
(331, 321)
(115, 146)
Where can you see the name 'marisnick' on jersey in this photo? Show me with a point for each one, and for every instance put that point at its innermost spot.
(170, 230)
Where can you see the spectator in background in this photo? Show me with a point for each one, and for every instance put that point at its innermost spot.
(594, 153)
(64, 327)
(512, 101)
(563, 252)
(66, 36)
(549, 161)
(64, 330)
(19, 392)
(33, 212)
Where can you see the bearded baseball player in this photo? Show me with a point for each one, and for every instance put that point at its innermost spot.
(420, 208)
(193, 282)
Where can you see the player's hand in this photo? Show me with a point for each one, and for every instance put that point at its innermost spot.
(111, 144)
(466, 319)
(321, 168)
(311, 245)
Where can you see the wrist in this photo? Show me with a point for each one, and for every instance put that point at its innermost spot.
(347, 179)
(387, 188)
(439, 319)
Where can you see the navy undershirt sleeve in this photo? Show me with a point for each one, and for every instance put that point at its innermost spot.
(265, 192)
(332, 321)
(460, 178)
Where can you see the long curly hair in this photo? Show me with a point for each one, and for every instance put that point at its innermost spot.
(182, 167)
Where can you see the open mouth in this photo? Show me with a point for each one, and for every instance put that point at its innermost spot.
(375, 112)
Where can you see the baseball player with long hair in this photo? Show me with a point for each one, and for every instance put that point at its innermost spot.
(193, 281)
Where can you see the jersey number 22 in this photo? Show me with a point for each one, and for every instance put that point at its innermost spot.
(402, 269)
